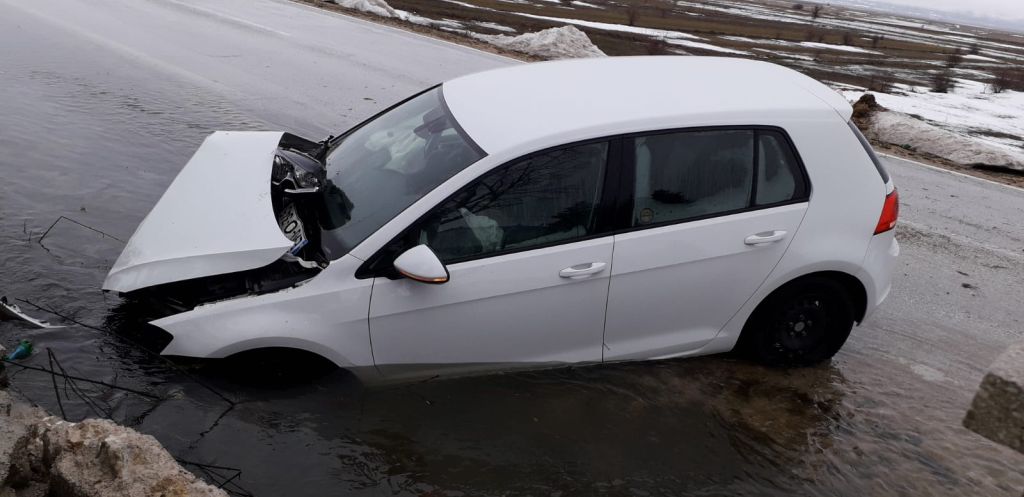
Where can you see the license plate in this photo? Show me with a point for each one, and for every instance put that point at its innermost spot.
(291, 225)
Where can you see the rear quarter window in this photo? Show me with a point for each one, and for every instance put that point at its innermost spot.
(870, 151)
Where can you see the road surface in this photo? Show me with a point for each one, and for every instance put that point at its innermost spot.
(102, 102)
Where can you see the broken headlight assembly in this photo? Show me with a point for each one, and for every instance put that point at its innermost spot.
(305, 173)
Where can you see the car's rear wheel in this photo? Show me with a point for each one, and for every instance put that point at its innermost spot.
(803, 323)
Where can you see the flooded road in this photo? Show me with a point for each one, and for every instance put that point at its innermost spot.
(102, 103)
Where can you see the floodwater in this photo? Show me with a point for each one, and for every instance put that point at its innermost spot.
(97, 140)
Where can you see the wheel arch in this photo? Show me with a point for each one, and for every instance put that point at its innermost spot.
(855, 289)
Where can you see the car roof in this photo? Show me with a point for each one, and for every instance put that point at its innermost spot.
(533, 106)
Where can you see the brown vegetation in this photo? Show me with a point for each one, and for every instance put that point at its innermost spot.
(863, 108)
(1007, 78)
(942, 81)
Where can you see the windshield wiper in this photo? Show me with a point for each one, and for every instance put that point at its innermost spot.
(324, 146)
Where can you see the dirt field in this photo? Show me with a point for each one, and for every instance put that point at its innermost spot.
(854, 51)
(831, 43)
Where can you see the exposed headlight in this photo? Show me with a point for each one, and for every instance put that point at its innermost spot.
(306, 179)
(281, 169)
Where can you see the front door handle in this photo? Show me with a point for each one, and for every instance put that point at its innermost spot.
(765, 237)
(580, 270)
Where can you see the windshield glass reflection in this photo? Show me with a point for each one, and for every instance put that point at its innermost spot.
(382, 167)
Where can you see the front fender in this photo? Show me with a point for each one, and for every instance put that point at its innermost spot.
(326, 316)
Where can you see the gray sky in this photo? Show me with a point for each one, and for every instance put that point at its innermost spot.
(1005, 9)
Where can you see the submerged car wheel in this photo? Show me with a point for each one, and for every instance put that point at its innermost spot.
(801, 324)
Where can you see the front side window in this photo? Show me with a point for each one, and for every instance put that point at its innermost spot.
(382, 167)
(692, 174)
(541, 200)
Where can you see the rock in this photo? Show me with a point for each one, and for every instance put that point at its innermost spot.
(44, 455)
(17, 425)
(98, 458)
(997, 412)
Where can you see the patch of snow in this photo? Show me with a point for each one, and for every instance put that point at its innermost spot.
(843, 48)
(743, 39)
(376, 7)
(841, 87)
(652, 32)
(904, 130)
(585, 4)
(566, 42)
(786, 55)
(980, 57)
(970, 110)
(706, 46)
(495, 26)
(469, 5)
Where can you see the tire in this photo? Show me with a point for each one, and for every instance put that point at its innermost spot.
(803, 323)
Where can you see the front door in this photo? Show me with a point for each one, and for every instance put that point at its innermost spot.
(713, 212)
(529, 273)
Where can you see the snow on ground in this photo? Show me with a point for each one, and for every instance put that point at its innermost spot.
(901, 129)
(494, 26)
(843, 48)
(786, 55)
(651, 32)
(381, 8)
(968, 125)
(969, 109)
(706, 46)
(565, 42)
(980, 57)
(376, 7)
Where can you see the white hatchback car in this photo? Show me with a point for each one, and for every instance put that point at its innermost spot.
(545, 214)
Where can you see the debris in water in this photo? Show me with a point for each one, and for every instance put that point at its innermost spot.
(11, 312)
(23, 350)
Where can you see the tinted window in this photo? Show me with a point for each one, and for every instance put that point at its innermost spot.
(692, 174)
(779, 178)
(382, 167)
(870, 151)
(541, 200)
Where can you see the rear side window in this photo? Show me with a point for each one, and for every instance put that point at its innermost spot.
(871, 152)
(538, 201)
(697, 174)
(779, 178)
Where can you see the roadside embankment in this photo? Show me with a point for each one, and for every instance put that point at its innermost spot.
(907, 136)
(44, 455)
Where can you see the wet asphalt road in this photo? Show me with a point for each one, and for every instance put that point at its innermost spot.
(102, 102)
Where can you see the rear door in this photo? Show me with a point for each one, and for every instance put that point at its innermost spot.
(529, 269)
(708, 214)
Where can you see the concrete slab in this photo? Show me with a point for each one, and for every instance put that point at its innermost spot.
(997, 412)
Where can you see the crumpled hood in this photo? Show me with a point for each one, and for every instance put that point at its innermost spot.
(216, 217)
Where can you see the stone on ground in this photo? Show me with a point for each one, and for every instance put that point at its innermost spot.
(43, 455)
(997, 412)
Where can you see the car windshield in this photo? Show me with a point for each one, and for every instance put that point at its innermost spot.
(381, 167)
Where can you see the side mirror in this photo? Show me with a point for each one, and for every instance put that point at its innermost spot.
(421, 264)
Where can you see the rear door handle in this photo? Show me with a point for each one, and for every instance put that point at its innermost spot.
(765, 237)
(580, 270)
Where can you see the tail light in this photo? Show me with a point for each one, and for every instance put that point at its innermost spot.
(890, 212)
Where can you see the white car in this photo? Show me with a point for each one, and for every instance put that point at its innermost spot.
(572, 212)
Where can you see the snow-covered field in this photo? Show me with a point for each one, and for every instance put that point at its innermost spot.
(848, 49)
(969, 125)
